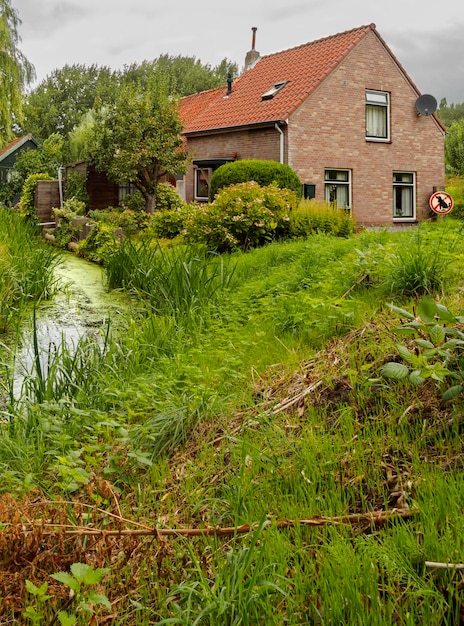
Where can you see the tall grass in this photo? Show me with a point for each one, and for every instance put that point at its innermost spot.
(421, 263)
(26, 266)
(179, 282)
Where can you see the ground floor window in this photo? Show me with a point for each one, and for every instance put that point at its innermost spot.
(403, 195)
(338, 187)
(125, 189)
(202, 181)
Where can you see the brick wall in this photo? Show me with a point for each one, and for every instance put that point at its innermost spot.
(263, 143)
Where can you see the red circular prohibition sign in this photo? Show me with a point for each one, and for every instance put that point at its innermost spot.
(441, 202)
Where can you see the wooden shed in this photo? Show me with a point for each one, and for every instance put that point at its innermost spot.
(101, 191)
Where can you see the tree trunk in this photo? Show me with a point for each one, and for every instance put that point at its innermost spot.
(150, 203)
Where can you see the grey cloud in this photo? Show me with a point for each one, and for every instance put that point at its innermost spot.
(40, 20)
(433, 59)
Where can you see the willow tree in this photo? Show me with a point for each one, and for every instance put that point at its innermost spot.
(15, 71)
(137, 138)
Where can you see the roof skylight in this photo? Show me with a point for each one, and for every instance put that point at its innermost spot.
(268, 95)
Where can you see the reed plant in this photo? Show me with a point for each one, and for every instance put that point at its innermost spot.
(180, 282)
(26, 266)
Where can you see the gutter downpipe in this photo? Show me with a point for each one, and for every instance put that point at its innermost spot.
(281, 142)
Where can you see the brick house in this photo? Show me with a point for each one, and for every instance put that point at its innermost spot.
(341, 111)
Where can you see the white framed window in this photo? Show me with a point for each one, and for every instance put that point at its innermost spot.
(337, 189)
(404, 195)
(202, 182)
(377, 116)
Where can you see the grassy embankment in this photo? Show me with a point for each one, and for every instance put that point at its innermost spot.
(247, 395)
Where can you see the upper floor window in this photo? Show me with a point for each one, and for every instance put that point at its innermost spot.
(404, 195)
(377, 115)
(338, 187)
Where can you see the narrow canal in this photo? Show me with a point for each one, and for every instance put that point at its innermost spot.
(81, 307)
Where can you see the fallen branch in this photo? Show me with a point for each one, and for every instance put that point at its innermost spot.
(435, 565)
(288, 402)
(374, 518)
(353, 287)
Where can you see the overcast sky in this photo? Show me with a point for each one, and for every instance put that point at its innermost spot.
(425, 35)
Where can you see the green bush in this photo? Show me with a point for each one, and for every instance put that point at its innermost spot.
(168, 224)
(167, 198)
(65, 231)
(242, 216)
(27, 204)
(262, 172)
(455, 187)
(134, 202)
(130, 221)
(312, 217)
(76, 187)
(100, 243)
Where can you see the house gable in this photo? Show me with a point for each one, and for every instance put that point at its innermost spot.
(11, 151)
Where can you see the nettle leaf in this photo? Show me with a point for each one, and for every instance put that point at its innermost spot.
(437, 334)
(427, 309)
(416, 377)
(401, 312)
(422, 343)
(405, 330)
(397, 371)
(453, 343)
(452, 392)
(98, 599)
(67, 579)
(406, 354)
(80, 570)
(445, 315)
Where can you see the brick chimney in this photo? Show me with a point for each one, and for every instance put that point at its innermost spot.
(253, 56)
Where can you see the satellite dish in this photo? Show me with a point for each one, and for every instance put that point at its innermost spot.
(426, 105)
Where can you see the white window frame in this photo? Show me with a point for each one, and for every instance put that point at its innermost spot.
(377, 106)
(206, 172)
(337, 182)
(402, 189)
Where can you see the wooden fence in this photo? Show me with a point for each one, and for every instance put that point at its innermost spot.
(47, 197)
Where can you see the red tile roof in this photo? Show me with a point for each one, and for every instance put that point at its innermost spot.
(304, 67)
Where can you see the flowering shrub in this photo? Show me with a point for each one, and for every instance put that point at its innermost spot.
(128, 220)
(242, 216)
(167, 197)
(262, 172)
(170, 223)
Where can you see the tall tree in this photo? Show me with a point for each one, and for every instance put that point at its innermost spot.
(59, 102)
(454, 147)
(15, 71)
(137, 138)
(449, 113)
